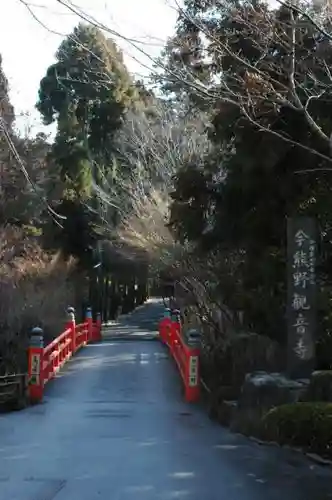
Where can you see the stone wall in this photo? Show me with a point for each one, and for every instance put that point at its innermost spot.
(260, 392)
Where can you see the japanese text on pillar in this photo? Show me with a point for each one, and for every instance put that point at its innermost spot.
(303, 280)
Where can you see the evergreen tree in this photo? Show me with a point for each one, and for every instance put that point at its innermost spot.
(235, 200)
(87, 92)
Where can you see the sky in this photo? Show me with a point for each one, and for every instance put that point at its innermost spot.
(27, 47)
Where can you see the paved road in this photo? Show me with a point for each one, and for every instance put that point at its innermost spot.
(114, 427)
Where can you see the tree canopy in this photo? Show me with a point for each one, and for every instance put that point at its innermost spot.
(262, 77)
(235, 140)
(87, 92)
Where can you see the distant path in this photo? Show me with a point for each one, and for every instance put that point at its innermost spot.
(114, 427)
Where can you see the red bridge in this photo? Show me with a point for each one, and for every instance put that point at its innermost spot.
(118, 419)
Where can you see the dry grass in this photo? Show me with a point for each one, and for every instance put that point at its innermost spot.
(35, 289)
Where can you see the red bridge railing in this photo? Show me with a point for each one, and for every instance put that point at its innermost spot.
(184, 352)
(45, 362)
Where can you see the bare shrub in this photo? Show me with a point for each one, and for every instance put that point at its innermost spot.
(150, 152)
(35, 289)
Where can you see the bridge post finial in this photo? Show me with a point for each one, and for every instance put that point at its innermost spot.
(89, 321)
(98, 324)
(71, 324)
(71, 313)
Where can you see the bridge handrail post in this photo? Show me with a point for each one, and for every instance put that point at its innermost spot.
(98, 326)
(36, 365)
(164, 325)
(192, 371)
(89, 322)
(71, 325)
(175, 327)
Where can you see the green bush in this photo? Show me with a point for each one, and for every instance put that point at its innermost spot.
(305, 425)
(320, 387)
